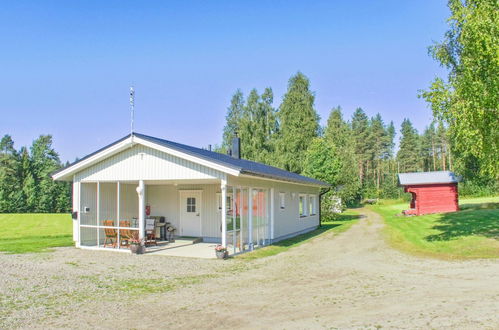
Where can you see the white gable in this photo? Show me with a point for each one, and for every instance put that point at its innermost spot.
(144, 163)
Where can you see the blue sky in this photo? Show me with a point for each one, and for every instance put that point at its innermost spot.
(67, 65)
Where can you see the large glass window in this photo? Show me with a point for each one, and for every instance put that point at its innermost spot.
(245, 226)
(303, 205)
(312, 205)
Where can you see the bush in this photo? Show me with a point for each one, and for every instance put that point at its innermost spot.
(470, 188)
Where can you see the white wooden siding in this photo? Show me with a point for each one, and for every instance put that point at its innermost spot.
(164, 201)
(88, 199)
(143, 163)
(108, 202)
(129, 201)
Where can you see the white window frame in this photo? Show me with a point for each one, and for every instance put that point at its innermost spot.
(219, 202)
(304, 207)
(312, 206)
(282, 200)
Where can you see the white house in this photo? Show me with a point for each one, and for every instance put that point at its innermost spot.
(219, 198)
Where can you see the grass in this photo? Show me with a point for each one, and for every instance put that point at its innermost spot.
(470, 233)
(22, 233)
(344, 222)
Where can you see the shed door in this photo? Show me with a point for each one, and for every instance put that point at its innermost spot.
(190, 213)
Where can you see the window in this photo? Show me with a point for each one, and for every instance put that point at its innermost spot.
(228, 201)
(191, 204)
(312, 206)
(303, 206)
(282, 200)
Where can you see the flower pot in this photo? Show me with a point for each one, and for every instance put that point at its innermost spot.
(137, 249)
(222, 254)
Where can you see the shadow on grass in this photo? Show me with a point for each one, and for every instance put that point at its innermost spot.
(475, 219)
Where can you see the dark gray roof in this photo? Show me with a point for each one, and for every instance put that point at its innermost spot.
(242, 165)
(427, 178)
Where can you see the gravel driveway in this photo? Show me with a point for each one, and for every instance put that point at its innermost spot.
(353, 280)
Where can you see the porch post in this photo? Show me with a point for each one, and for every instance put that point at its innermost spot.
(98, 213)
(118, 215)
(142, 211)
(78, 243)
(250, 218)
(271, 214)
(223, 187)
(234, 219)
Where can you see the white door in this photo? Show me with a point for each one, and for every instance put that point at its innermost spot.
(190, 213)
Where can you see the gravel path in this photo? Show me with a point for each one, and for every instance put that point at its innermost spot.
(353, 280)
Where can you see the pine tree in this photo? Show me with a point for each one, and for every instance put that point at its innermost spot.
(233, 118)
(362, 143)
(299, 123)
(29, 189)
(390, 130)
(408, 156)
(9, 176)
(428, 148)
(44, 160)
(338, 136)
(379, 141)
(337, 130)
(271, 126)
(252, 129)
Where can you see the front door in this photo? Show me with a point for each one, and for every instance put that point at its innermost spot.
(190, 213)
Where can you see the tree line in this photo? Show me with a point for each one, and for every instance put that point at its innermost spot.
(356, 155)
(25, 182)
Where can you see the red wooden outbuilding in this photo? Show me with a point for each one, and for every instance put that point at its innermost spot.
(432, 192)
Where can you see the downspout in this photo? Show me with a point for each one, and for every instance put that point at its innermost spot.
(320, 205)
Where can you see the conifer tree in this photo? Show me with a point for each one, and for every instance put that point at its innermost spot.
(338, 136)
(362, 147)
(299, 123)
(379, 144)
(232, 119)
(408, 156)
(9, 176)
(44, 161)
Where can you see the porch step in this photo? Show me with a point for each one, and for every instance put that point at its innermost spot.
(188, 240)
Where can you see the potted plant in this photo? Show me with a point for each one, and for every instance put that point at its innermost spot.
(221, 252)
(136, 244)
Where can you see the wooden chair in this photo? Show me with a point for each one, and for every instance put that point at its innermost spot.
(151, 232)
(125, 234)
(111, 233)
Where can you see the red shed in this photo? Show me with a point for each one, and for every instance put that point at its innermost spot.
(432, 192)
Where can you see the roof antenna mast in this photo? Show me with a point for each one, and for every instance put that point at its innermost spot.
(132, 109)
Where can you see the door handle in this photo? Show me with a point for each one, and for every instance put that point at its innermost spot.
(197, 215)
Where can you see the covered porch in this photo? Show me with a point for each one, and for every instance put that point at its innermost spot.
(114, 214)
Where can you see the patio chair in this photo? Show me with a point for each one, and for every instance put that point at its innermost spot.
(111, 233)
(125, 234)
(151, 232)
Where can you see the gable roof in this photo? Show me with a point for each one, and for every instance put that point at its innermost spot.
(227, 164)
(416, 178)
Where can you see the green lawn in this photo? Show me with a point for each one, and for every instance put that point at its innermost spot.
(345, 221)
(21, 233)
(472, 232)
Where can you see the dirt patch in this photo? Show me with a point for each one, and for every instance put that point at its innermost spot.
(353, 280)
